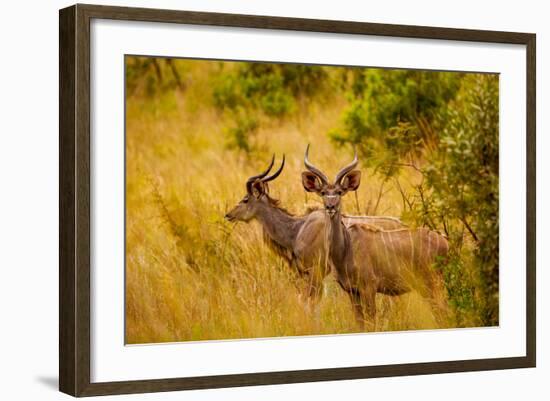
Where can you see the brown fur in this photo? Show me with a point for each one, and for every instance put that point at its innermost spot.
(297, 239)
(367, 259)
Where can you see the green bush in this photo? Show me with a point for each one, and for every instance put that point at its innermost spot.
(395, 112)
(463, 176)
(250, 93)
(244, 126)
(444, 126)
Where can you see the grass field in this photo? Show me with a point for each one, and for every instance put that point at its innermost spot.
(190, 275)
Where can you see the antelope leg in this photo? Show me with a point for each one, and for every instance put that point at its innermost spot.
(364, 306)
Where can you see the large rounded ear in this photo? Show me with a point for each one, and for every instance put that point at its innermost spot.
(258, 189)
(311, 182)
(351, 181)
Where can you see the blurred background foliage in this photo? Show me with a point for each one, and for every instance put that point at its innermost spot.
(445, 126)
(253, 93)
(429, 140)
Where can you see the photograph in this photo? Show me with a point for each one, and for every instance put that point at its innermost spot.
(267, 199)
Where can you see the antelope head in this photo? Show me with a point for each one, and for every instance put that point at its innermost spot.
(346, 180)
(257, 191)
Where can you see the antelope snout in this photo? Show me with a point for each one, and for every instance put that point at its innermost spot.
(331, 211)
(331, 204)
(229, 217)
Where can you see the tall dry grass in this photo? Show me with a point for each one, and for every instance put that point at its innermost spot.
(190, 275)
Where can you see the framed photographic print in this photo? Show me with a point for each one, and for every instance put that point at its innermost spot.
(250, 200)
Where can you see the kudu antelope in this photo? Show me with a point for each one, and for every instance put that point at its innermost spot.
(298, 239)
(368, 260)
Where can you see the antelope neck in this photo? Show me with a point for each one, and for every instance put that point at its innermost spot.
(278, 225)
(337, 237)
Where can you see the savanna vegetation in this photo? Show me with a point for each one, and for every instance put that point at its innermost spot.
(196, 130)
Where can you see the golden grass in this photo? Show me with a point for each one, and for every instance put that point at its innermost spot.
(190, 275)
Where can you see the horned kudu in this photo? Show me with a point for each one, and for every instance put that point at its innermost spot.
(369, 260)
(298, 239)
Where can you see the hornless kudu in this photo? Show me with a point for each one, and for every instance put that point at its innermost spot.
(368, 260)
(298, 239)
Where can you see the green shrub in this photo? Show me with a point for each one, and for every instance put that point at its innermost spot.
(463, 175)
(253, 93)
(444, 126)
(395, 112)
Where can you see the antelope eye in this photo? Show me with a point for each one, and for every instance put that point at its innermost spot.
(323, 193)
(339, 192)
(245, 200)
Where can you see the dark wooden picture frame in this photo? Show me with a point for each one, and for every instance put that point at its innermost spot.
(74, 199)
